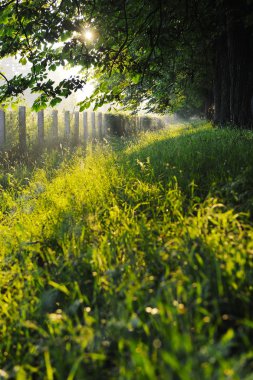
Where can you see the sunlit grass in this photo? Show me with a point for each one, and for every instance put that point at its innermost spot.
(133, 261)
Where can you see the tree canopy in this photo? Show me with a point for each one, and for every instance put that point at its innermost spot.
(193, 57)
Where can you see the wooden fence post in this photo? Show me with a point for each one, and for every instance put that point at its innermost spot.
(107, 124)
(67, 123)
(41, 132)
(140, 124)
(85, 127)
(123, 123)
(55, 124)
(136, 124)
(2, 128)
(93, 125)
(76, 128)
(100, 125)
(22, 128)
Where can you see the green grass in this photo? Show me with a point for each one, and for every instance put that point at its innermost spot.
(134, 261)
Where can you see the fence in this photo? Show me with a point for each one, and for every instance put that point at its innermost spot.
(24, 128)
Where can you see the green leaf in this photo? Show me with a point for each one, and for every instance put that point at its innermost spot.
(136, 79)
(55, 101)
(228, 336)
(52, 67)
(84, 105)
(23, 61)
(65, 36)
(62, 288)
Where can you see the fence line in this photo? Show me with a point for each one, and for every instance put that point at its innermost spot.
(55, 124)
(95, 126)
(41, 127)
(67, 123)
(2, 128)
(22, 128)
(76, 127)
(85, 127)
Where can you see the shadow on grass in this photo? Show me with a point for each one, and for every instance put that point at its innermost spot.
(213, 162)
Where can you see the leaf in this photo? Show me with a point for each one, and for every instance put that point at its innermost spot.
(136, 79)
(84, 105)
(33, 326)
(55, 101)
(23, 61)
(37, 69)
(65, 36)
(228, 336)
(38, 105)
(52, 67)
(74, 368)
(62, 288)
(49, 369)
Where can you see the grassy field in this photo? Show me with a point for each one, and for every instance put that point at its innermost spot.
(132, 262)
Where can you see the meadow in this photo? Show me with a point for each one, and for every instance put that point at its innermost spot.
(131, 260)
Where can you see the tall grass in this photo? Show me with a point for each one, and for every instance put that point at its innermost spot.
(133, 261)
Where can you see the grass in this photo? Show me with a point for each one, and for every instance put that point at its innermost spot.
(134, 261)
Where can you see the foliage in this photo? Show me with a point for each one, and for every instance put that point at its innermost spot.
(141, 49)
(168, 55)
(133, 261)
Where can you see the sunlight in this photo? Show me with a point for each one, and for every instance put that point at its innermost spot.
(88, 35)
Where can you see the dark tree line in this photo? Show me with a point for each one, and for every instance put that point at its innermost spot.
(189, 56)
(233, 75)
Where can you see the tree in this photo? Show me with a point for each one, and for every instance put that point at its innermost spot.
(233, 69)
(188, 56)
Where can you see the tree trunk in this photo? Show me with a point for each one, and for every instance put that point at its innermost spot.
(221, 83)
(233, 66)
(208, 105)
(240, 54)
